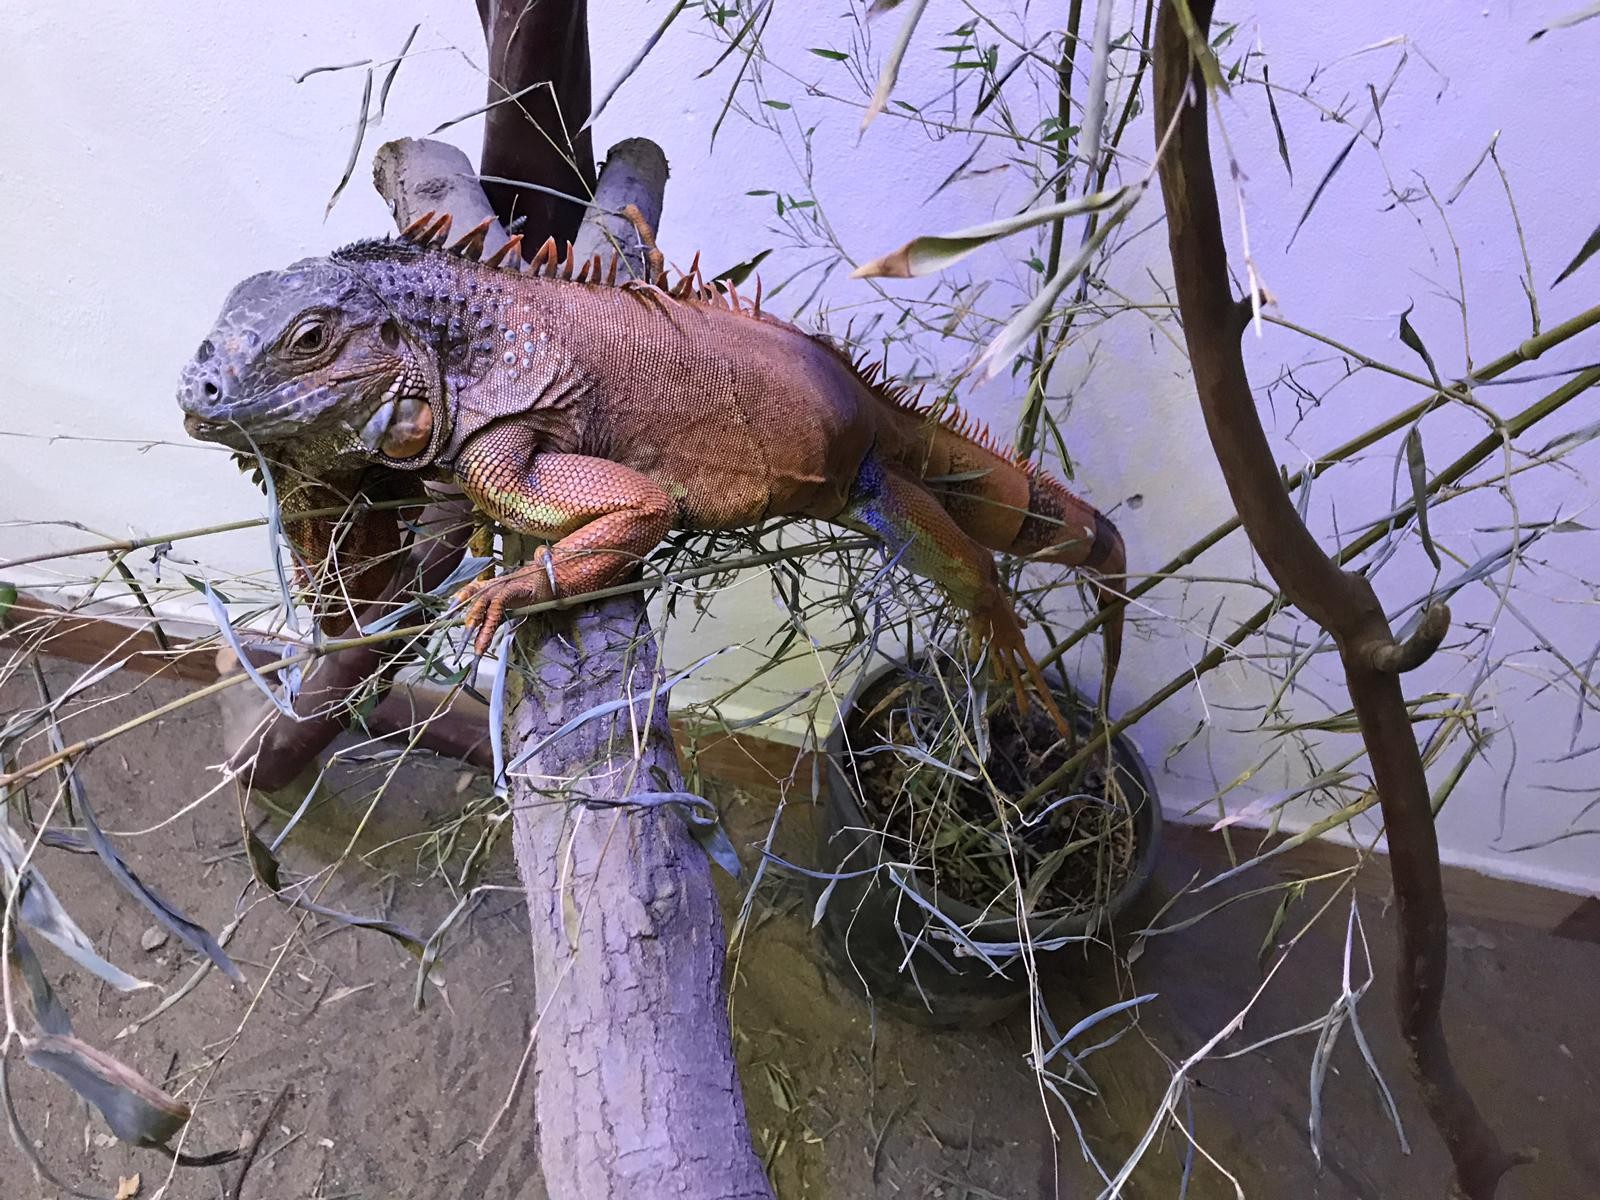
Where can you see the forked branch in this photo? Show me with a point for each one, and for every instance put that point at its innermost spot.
(1342, 603)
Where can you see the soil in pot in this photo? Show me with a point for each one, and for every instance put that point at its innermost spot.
(1071, 855)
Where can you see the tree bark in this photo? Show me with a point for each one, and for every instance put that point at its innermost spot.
(636, 1088)
(1341, 602)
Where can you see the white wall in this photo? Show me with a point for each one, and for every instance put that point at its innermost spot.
(154, 155)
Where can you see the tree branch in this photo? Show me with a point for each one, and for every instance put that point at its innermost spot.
(1342, 603)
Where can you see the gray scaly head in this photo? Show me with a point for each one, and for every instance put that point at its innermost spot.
(313, 355)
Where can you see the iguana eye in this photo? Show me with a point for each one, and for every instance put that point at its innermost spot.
(309, 336)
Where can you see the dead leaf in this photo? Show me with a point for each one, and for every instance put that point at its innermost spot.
(127, 1186)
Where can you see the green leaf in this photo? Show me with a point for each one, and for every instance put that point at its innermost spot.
(1418, 467)
(1292, 893)
(8, 598)
(1590, 247)
(739, 272)
(778, 104)
(201, 587)
(929, 254)
(832, 55)
(1019, 331)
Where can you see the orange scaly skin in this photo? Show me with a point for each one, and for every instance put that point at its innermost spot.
(597, 417)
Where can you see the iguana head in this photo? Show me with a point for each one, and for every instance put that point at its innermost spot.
(312, 354)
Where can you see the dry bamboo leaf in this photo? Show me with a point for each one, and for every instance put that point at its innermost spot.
(930, 253)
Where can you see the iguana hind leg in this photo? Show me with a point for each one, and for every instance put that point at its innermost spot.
(900, 512)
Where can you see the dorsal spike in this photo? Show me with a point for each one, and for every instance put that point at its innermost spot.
(595, 267)
(733, 297)
(414, 231)
(681, 290)
(661, 274)
(512, 249)
(755, 308)
(568, 262)
(583, 273)
(471, 243)
(544, 261)
(438, 232)
(611, 274)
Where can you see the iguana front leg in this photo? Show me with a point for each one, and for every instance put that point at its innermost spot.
(603, 518)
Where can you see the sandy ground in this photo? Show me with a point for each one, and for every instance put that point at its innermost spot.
(382, 1100)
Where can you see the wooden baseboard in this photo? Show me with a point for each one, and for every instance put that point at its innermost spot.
(763, 765)
(40, 627)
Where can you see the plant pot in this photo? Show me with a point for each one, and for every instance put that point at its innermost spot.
(893, 944)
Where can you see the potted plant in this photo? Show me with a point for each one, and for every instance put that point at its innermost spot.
(942, 868)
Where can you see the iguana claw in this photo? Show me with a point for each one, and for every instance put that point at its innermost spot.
(997, 627)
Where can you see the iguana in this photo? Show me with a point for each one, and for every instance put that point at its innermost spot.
(597, 416)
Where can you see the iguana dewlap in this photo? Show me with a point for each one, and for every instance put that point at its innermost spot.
(598, 416)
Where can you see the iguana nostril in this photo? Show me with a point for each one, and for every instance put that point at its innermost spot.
(211, 390)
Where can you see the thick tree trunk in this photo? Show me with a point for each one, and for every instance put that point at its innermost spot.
(635, 1084)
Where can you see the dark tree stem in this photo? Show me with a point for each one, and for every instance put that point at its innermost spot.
(536, 138)
(1342, 603)
(280, 747)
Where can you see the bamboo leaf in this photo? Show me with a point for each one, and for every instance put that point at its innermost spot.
(1413, 340)
(1417, 465)
(644, 51)
(1277, 124)
(192, 935)
(1566, 22)
(38, 909)
(264, 865)
(1590, 246)
(355, 149)
(349, 66)
(48, 1011)
(931, 253)
(739, 272)
(821, 907)
(394, 69)
(135, 1109)
(897, 54)
(226, 630)
(1292, 893)
(1020, 329)
(1339, 159)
